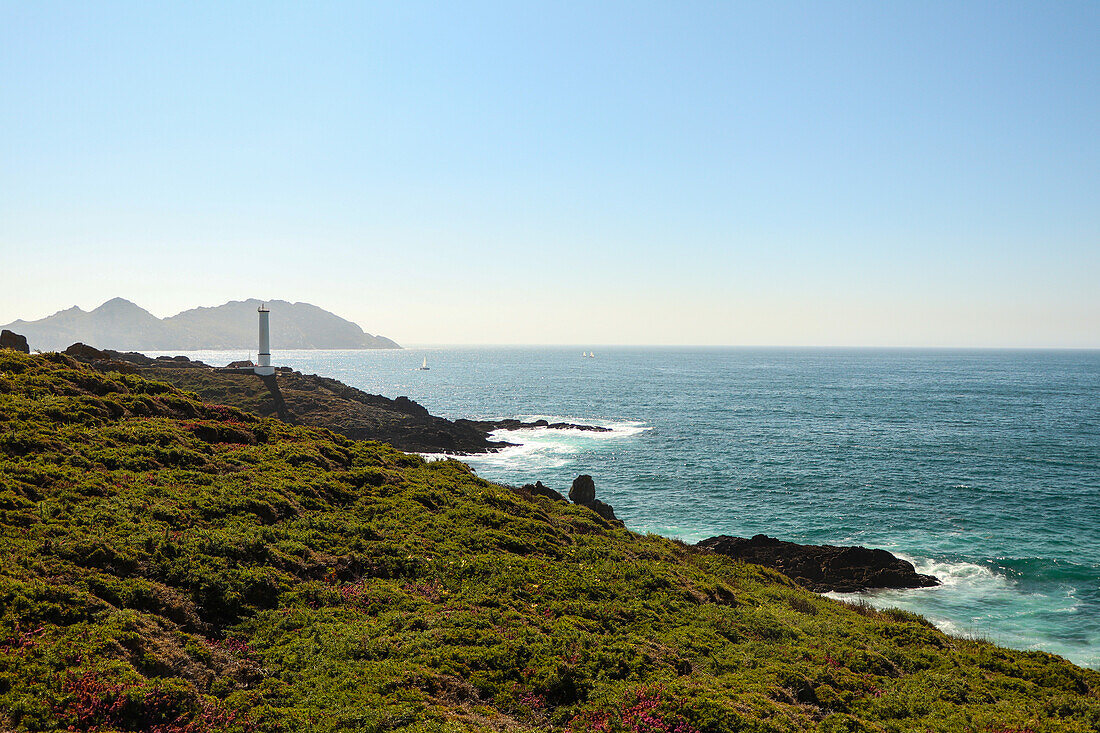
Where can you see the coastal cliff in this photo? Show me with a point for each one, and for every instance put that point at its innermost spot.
(178, 566)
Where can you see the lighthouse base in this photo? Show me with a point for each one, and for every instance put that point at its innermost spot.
(264, 371)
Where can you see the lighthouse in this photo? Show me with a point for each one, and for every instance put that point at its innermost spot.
(263, 358)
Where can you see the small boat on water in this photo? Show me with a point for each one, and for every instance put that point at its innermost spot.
(423, 367)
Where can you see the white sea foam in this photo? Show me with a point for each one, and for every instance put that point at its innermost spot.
(548, 448)
(537, 449)
(958, 574)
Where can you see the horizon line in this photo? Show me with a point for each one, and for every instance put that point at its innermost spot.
(588, 346)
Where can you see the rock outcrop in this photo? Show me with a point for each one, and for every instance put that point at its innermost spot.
(83, 352)
(583, 493)
(823, 568)
(12, 340)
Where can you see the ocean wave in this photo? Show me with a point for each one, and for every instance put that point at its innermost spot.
(1047, 569)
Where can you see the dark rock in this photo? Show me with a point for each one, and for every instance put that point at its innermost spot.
(489, 426)
(804, 692)
(823, 568)
(404, 404)
(242, 364)
(583, 490)
(12, 340)
(83, 352)
(602, 508)
(539, 489)
(576, 426)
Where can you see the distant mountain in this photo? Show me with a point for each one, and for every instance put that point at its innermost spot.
(293, 326)
(117, 321)
(119, 324)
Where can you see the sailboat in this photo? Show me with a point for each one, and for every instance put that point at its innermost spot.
(424, 367)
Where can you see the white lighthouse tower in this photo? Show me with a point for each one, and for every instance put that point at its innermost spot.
(263, 358)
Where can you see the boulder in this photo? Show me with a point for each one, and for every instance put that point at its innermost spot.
(12, 340)
(583, 490)
(823, 568)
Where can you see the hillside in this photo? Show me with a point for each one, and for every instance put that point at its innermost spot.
(119, 324)
(177, 566)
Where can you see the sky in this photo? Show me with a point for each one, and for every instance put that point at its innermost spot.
(851, 174)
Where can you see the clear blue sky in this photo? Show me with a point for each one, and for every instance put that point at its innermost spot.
(584, 173)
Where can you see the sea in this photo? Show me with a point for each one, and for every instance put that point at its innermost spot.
(981, 467)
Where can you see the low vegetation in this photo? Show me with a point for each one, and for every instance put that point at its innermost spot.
(175, 566)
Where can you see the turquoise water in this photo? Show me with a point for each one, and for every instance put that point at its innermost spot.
(982, 467)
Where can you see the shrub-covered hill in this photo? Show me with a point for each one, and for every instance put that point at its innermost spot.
(174, 566)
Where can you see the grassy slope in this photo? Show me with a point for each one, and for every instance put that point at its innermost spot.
(174, 566)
